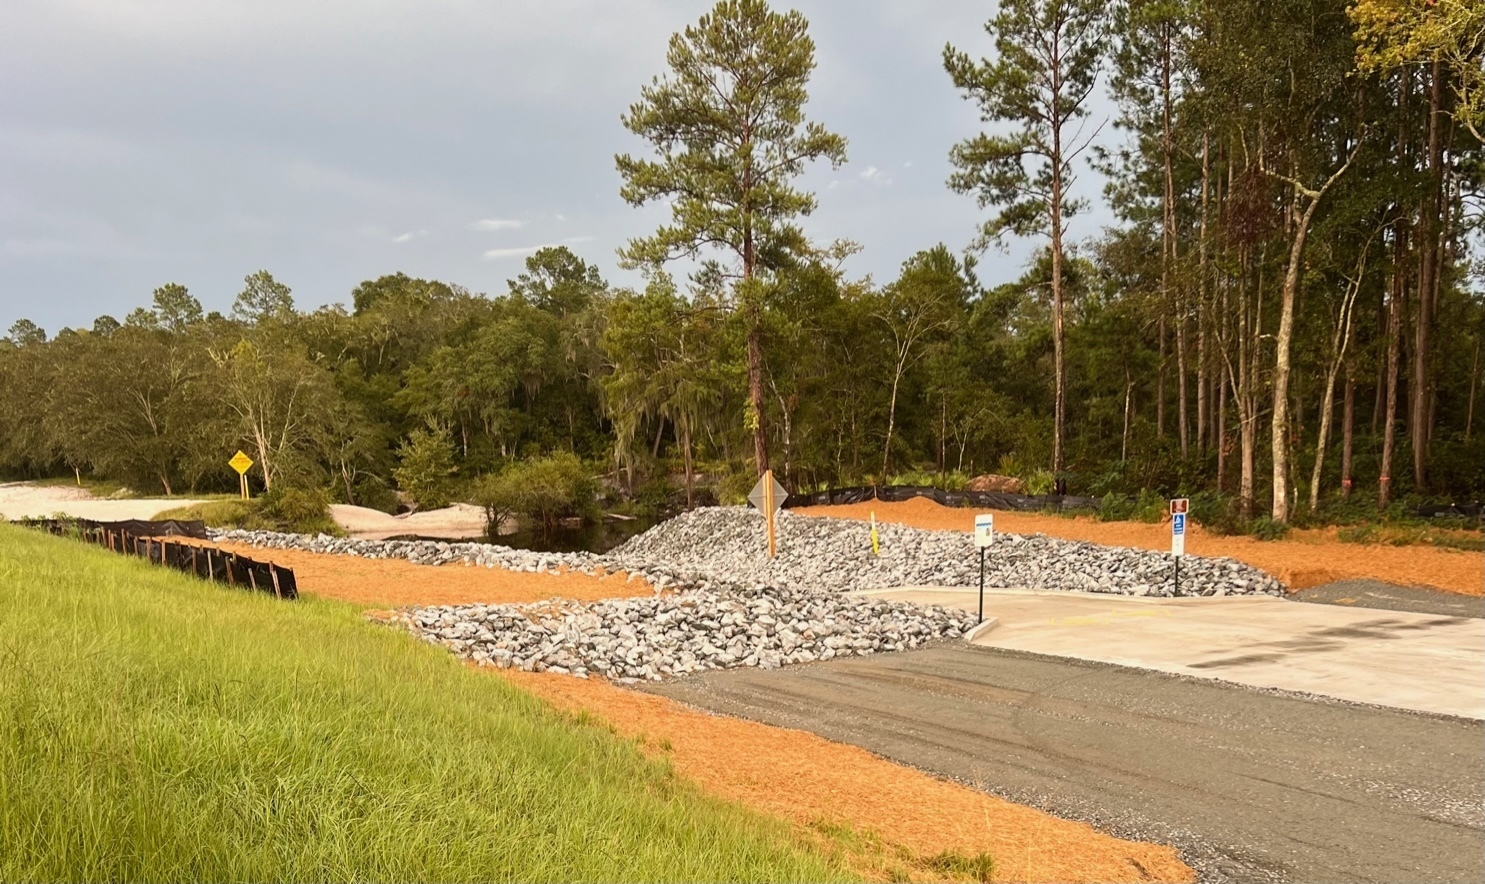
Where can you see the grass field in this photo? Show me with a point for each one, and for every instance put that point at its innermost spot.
(154, 727)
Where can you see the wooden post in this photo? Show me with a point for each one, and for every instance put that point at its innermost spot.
(273, 572)
(768, 509)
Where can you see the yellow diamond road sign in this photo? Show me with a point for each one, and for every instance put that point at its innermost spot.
(240, 462)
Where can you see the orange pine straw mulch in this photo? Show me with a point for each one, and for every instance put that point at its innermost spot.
(812, 781)
(396, 583)
(1306, 558)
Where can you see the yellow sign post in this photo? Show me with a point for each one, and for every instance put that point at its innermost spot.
(241, 463)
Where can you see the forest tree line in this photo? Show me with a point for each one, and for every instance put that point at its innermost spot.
(1288, 312)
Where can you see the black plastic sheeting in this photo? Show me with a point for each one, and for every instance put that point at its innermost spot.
(993, 500)
(149, 540)
(162, 528)
(1452, 510)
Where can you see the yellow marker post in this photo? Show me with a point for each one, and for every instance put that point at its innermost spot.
(241, 463)
(876, 546)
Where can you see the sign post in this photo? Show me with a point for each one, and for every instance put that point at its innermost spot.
(1178, 508)
(241, 463)
(768, 496)
(984, 536)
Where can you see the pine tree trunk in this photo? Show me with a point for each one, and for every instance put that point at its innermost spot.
(1160, 378)
(1203, 359)
(1469, 421)
(1389, 420)
(1427, 244)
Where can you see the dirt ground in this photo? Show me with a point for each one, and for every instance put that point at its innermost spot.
(1305, 559)
(830, 787)
(396, 583)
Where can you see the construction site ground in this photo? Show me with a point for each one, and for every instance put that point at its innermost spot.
(1060, 769)
(900, 819)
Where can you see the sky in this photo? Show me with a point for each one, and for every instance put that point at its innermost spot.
(331, 141)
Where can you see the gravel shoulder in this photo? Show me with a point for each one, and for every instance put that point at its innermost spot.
(1251, 786)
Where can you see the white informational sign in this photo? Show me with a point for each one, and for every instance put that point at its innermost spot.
(984, 529)
(1178, 534)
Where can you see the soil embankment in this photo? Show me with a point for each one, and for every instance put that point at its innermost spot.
(1305, 559)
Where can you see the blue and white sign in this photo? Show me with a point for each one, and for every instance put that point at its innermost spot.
(984, 529)
(1178, 534)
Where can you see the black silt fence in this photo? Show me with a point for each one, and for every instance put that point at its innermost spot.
(993, 500)
(151, 541)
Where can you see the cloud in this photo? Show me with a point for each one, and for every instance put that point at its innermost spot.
(409, 236)
(513, 252)
(870, 172)
(517, 251)
(908, 164)
(493, 224)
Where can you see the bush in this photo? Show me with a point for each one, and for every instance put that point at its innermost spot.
(427, 467)
(297, 510)
(544, 491)
(950, 481)
(1265, 528)
(734, 487)
(1039, 482)
(1148, 507)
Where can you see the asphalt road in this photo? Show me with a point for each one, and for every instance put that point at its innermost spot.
(1391, 597)
(1251, 786)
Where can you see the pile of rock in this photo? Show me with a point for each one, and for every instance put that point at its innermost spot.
(720, 601)
(727, 544)
(419, 552)
(724, 548)
(653, 638)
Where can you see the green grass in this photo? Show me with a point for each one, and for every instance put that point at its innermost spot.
(230, 513)
(258, 513)
(156, 727)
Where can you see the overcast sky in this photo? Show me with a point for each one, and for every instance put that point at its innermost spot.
(331, 141)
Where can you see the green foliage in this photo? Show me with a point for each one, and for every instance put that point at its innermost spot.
(1265, 528)
(263, 298)
(425, 467)
(544, 491)
(296, 510)
(232, 513)
(300, 510)
(729, 132)
(172, 729)
(950, 481)
(734, 487)
(1039, 482)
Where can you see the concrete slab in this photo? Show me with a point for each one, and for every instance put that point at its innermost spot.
(1422, 662)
